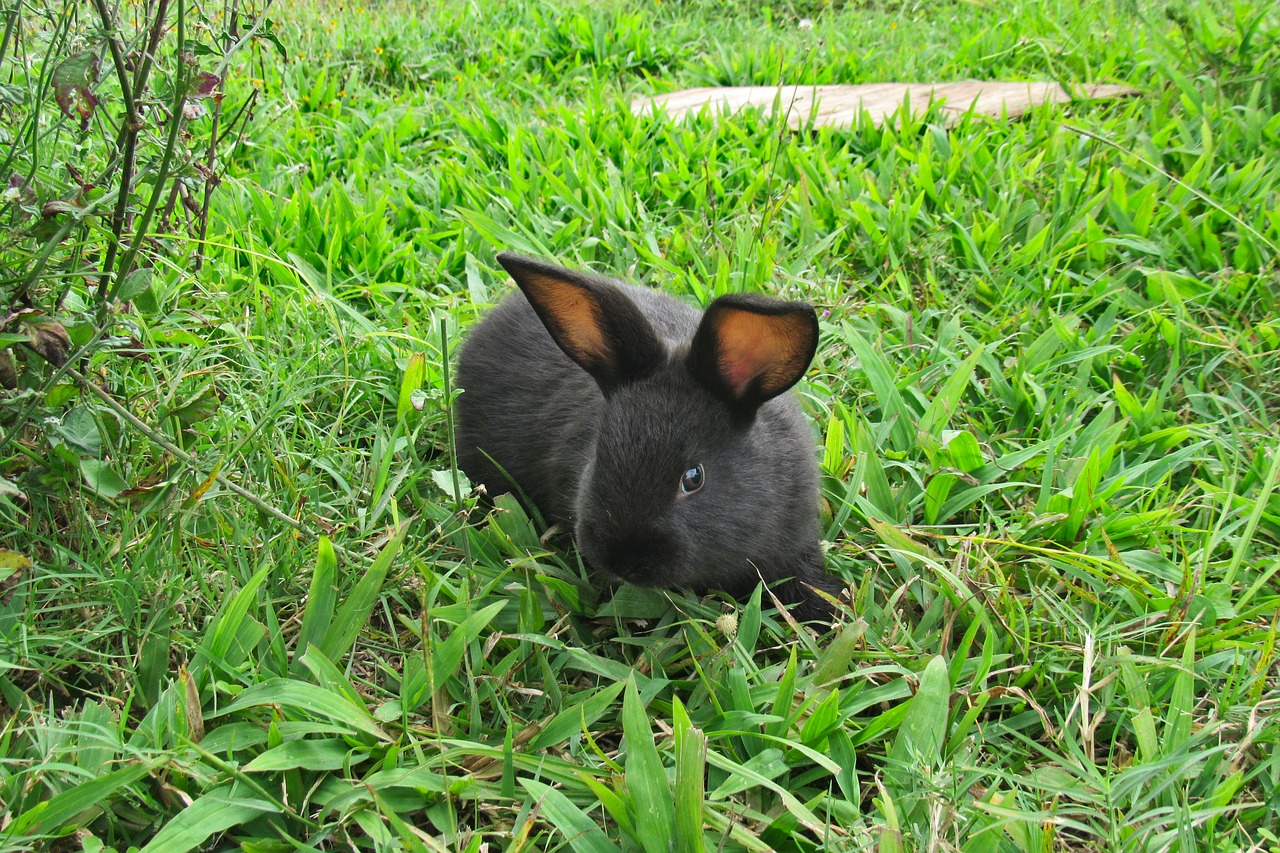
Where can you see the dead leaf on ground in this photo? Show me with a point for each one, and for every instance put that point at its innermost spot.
(49, 340)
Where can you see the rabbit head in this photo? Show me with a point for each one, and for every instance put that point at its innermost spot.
(702, 472)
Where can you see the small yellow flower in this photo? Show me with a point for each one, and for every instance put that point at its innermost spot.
(255, 83)
(378, 50)
(342, 94)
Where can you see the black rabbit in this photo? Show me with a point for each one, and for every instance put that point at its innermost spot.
(665, 437)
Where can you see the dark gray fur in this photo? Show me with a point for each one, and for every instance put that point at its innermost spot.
(605, 456)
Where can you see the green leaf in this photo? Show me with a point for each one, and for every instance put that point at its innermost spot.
(580, 832)
(924, 730)
(201, 407)
(134, 284)
(328, 676)
(646, 781)
(618, 809)
(749, 776)
(306, 754)
(767, 764)
(222, 634)
(444, 482)
(518, 534)
(920, 737)
(197, 823)
(935, 495)
(308, 699)
(869, 472)
(322, 596)
(79, 431)
(447, 657)
(574, 718)
(102, 478)
(690, 789)
(947, 402)
(354, 612)
(822, 720)
(884, 383)
(415, 374)
(1177, 722)
(899, 541)
(55, 815)
(963, 450)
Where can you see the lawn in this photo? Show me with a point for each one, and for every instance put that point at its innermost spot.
(248, 602)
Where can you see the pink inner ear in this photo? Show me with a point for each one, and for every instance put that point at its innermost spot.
(753, 346)
(741, 355)
(574, 313)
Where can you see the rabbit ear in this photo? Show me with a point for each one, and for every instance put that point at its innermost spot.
(591, 320)
(749, 349)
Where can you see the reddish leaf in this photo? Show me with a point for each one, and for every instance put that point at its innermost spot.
(79, 178)
(19, 190)
(206, 85)
(8, 372)
(73, 85)
(52, 208)
(135, 349)
(50, 341)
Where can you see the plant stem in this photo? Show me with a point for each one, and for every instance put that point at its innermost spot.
(176, 120)
(149, 55)
(132, 126)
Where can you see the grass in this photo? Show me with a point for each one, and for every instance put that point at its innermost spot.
(1045, 404)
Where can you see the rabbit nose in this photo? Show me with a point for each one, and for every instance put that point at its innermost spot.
(637, 558)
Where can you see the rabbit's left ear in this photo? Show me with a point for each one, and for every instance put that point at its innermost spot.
(749, 349)
(591, 320)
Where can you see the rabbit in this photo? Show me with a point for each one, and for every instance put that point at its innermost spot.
(665, 437)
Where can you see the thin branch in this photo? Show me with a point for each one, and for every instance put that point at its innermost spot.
(132, 126)
(191, 462)
(210, 179)
(149, 55)
(177, 119)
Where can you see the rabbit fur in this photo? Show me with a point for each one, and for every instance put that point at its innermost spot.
(665, 437)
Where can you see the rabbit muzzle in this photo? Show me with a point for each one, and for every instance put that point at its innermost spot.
(640, 557)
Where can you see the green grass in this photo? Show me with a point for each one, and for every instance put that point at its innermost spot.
(1045, 404)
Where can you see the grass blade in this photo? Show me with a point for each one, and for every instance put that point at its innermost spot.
(354, 612)
(579, 830)
(646, 781)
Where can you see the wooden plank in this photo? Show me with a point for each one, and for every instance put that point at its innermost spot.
(840, 106)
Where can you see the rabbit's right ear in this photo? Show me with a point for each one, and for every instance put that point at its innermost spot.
(593, 322)
(749, 349)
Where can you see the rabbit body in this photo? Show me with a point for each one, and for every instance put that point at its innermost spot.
(669, 469)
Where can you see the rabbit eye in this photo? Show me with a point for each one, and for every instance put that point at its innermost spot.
(692, 480)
